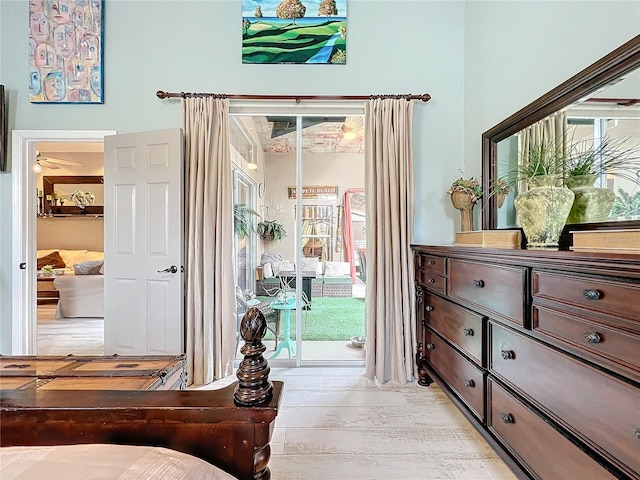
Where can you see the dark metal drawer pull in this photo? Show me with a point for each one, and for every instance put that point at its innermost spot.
(592, 337)
(431, 262)
(508, 354)
(469, 383)
(432, 280)
(478, 283)
(430, 346)
(468, 332)
(592, 294)
(506, 417)
(428, 308)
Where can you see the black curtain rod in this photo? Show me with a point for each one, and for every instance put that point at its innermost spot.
(425, 97)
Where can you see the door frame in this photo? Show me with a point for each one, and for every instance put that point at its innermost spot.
(23, 223)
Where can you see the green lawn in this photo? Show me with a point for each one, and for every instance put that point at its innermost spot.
(329, 319)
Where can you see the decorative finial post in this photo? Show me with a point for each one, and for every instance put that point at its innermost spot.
(254, 387)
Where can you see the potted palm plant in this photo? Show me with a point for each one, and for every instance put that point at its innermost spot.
(589, 159)
(271, 230)
(243, 220)
(542, 209)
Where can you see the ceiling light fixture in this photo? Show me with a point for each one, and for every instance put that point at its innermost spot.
(36, 167)
(252, 166)
(348, 133)
(353, 127)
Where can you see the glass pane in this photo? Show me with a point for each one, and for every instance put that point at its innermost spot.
(332, 238)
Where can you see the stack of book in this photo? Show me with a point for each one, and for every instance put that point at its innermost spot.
(608, 241)
(490, 239)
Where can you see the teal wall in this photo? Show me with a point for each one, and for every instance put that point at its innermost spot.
(470, 56)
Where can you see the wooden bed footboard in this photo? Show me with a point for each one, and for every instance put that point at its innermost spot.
(230, 428)
(203, 423)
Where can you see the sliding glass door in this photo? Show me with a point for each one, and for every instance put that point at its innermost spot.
(310, 288)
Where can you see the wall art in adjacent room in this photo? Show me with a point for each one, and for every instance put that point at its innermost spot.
(65, 51)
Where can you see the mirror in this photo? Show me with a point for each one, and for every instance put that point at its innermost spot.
(61, 187)
(586, 98)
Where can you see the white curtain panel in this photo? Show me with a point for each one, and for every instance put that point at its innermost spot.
(210, 284)
(552, 129)
(389, 304)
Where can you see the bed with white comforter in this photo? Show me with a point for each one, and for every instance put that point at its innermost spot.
(103, 462)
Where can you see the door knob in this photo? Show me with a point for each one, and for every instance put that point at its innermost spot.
(171, 269)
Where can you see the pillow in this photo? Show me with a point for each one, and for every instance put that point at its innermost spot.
(71, 257)
(270, 257)
(282, 266)
(335, 269)
(310, 264)
(245, 295)
(101, 271)
(91, 255)
(267, 271)
(89, 267)
(54, 259)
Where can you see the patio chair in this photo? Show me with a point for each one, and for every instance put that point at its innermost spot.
(270, 315)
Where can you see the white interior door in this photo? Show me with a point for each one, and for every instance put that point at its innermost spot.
(143, 214)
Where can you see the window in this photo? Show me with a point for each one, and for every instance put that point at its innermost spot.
(242, 142)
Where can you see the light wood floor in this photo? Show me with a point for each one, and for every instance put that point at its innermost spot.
(80, 336)
(336, 424)
(85, 336)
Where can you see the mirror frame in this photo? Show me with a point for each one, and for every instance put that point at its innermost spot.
(49, 181)
(622, 60)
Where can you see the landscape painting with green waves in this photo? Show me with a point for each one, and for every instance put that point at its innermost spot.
(294, 31)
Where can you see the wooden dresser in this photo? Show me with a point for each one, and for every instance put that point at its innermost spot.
(540, 351)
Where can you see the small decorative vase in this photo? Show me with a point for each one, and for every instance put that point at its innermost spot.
(543, 211)
(591, 204)
(463, 201)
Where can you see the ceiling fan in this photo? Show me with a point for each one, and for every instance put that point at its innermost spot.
(53, 163)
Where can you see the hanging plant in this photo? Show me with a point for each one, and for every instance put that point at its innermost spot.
(271, 230)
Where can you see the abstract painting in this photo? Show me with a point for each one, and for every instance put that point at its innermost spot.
(65, 51)
(294, 31)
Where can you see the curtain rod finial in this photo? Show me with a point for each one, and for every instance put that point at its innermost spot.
(161, 95)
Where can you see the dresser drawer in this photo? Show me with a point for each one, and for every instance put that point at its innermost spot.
(434, 264)
(463, 377)
(586, 337)
(460, 326)
(603, 409)
(433, 282)
(535, 442)
(596, 295)
(499, 289)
